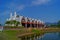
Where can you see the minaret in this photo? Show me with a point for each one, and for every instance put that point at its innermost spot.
(14, 18)
(15, 15)
(10, 15)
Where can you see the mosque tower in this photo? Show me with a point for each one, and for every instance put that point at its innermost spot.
(15, 15)
(11, 15)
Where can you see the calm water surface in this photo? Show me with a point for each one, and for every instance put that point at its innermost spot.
(50, 36)
(46, 36)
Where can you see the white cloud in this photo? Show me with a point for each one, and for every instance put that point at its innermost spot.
(15, 7)
(20, 7)
(39, 2)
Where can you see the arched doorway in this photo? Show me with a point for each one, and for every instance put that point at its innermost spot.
(39, 25)
(33, 23)
(42, 24)
(23, 22)
(28, 22)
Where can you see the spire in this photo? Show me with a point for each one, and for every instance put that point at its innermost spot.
(15, 14)
(10, 15)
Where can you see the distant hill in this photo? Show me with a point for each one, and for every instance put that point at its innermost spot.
(48, 23)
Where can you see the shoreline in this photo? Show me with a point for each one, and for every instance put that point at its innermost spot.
(45, 30)
(16, 34)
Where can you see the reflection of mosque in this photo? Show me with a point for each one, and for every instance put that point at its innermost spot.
(25, 21)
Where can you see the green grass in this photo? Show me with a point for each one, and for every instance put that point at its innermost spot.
(8, 35)
(13, 34)
(37, 32)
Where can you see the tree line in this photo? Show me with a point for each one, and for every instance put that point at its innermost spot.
(55, 25)
(16, 23)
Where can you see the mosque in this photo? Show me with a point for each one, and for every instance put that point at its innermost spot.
(25, 21)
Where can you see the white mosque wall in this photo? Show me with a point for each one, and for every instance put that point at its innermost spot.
(20, 18)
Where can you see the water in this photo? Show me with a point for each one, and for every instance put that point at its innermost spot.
(50, 36)
(46, 36)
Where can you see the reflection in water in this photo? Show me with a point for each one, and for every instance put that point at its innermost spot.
(51, 36)
(59, 34)
(46, 36)
(30, 37)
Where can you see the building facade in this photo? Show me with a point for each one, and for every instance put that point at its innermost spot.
(25, 21)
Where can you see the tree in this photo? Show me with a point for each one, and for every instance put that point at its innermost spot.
(0, 24)
(58, 24)
(7, 22)
(12, 22)
(17, 23)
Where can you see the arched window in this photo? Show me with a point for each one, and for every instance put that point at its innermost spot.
(35, 23)
(28, 22)
(38, 24)
(32, 23)
(23, 20)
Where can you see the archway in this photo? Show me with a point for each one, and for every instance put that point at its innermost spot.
(39, 25)
(23, 22)
(33, 23)
(28, 22)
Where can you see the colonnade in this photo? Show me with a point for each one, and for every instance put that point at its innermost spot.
(25, 21)
(31, 23)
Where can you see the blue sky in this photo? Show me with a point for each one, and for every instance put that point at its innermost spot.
(45, 10)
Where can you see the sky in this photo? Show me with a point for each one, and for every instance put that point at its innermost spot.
(45, 10)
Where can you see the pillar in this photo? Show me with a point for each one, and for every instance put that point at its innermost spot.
(26, 25)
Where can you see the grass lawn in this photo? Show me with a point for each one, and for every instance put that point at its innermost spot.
(8, 35)
(13, 34)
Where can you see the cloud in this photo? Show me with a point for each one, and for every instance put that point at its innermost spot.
(20, 7)
(15, 7)
(39, 2)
